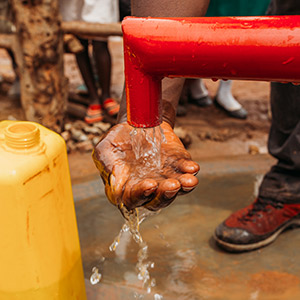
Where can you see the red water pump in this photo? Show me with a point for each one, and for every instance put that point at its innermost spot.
(245, 48)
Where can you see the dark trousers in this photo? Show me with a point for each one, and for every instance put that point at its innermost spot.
(282, 182)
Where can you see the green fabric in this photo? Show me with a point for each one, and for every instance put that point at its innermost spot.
(222, 8)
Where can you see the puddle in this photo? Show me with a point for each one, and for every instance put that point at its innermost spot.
(187, 263)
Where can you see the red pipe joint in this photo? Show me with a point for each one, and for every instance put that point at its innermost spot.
(245, 48)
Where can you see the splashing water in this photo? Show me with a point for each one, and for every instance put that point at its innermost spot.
(133, 219)
(96, 276)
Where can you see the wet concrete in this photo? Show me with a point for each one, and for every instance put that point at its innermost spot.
(188, 264)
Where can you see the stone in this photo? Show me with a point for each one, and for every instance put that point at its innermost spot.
(68, 126)
(85, 146)
(253, 149)
(78, 135)
(66, 135)
(183, 136)
(71, 146)
(79, 124)
(103, 126)
(96, 140)
(92, 129)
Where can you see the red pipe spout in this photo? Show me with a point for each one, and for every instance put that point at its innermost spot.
(244, 48)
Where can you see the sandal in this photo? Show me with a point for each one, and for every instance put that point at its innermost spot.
(94, 114)
(111, 106)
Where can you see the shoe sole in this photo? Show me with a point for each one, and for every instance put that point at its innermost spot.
(232, 114)
(201, 102)
(243, 248)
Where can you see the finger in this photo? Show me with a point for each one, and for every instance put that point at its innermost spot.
(187, 166)
(105, 158)
(117, 180)
(188, 182)
(136, 194)
(165, 194)
(107, 152)
(144, 189)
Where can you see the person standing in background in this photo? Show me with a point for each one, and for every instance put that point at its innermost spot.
(277, 205)
(94, 11)
(197, 91)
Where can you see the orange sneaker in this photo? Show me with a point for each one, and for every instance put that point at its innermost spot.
(94, 114)
(111, 106)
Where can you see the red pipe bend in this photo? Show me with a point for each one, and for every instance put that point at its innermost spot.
(245, 48)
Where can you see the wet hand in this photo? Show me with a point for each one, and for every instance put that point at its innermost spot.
(134, 180)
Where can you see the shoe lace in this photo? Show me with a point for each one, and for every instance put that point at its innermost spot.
(258, 207)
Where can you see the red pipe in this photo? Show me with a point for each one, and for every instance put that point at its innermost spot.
(245, 48)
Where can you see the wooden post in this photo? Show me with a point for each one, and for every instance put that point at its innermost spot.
(39, 54)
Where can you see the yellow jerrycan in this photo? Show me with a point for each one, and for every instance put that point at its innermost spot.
(40, 257)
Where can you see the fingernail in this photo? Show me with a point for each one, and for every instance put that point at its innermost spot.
(170, 194)
(149, 192)
(187, 189)
(112, 180)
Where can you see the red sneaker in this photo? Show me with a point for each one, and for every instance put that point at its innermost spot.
(256, 225)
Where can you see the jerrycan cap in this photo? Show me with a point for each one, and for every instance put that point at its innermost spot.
(24, 137)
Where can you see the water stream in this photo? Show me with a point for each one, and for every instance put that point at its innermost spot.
(133, 219)
(146, 143)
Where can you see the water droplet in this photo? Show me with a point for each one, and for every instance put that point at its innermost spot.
(153, 282)
(138, 296)
(246, 25)
(289, 60)
(233, 72)
(162, 236)
(96, 276)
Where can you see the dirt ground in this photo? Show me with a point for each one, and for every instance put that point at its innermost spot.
(211, 132)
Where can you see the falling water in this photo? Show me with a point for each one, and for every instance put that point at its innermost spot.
(146, 145)
(133, 219)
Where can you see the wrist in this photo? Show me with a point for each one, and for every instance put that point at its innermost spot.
(169, 112)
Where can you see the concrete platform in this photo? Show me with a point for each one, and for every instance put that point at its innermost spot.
(187, 262)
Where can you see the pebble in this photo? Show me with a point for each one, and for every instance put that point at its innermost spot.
(82, 137)
(85, 146)
(103, 126)
(253, 150)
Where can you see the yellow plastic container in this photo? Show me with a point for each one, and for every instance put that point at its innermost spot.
(40, 256)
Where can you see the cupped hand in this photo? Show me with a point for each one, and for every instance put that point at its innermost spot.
(134, 176)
